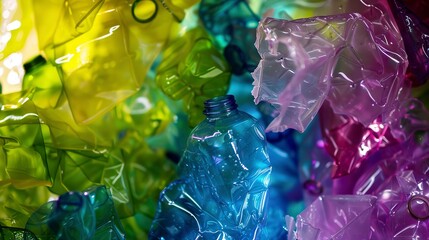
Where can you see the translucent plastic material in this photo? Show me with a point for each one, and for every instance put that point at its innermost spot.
(334, 217)
(314, 164)
(416, 39)
(101, 52)
(87, 215)
(193, 70)
(349, 142)
(394, 179)
(225, 174)
(10, 233)
(233, 24)
(336, 58)
(23, 161)
(18, 204)
(292, 9)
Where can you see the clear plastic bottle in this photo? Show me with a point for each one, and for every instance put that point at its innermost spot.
(227, 172)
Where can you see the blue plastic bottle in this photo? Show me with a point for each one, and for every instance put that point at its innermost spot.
(225, 173)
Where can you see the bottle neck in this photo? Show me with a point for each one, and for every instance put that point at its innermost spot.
(220, 107)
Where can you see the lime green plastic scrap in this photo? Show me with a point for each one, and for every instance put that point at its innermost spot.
(18, 204)
(148, 172)
(116, 179)
(41, 78)
(193, 70)
(108, 61)
(22, 152)
(76, 170)
(146, 113)
(44, 84)
(63, 20)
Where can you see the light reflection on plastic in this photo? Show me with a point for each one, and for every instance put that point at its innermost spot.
(111, 30)
(13, 78)
(386, 195)
(13, 25)
(364, 148)
(4, 40)
(13, 72)
(376, 127)
(13, 117)
(64, 59)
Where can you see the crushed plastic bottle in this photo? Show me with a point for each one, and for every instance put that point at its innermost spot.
(225, 172)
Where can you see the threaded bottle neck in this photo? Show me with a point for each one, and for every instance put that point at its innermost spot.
(220, 107)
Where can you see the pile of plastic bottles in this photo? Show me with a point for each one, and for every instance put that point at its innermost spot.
(214, 119)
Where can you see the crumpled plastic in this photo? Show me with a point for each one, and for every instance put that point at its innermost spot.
(18, 204)
(193, 70)
(223, 181)
(315, 165)
(415, 34)
(349, 142)
(403, 207)
(111, 150)
(399, 180)
(95, 75)
(285, 189)
(233, 24)
(145, 112)
(395, 177)
(292, 9)
(23, 160)
(146, 180)
(335, 58)
(334, 217)
(87, 215)
(7, 233)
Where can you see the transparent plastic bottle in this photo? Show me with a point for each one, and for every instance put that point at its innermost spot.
(225, 173)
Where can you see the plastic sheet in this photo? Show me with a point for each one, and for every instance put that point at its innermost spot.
(349, 142)
(321, 220)
(331, 58)
(95, 75)
(23, 158)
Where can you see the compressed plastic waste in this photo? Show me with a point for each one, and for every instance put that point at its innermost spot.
(109, 90)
